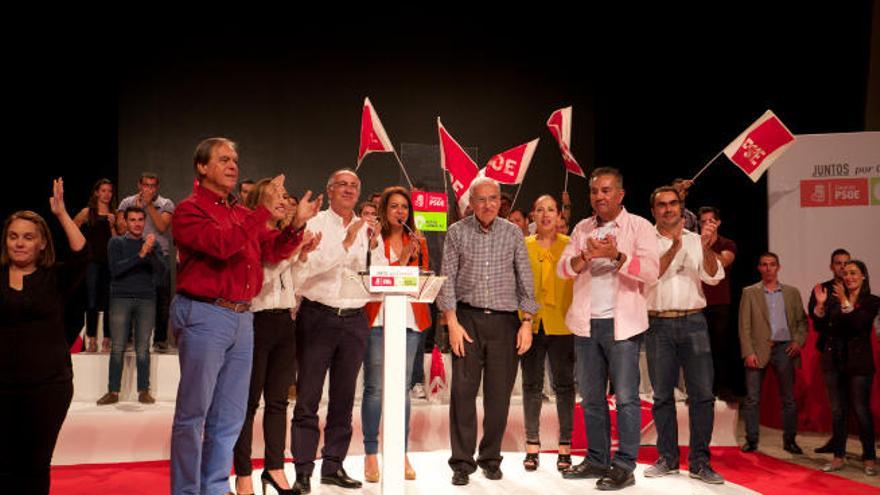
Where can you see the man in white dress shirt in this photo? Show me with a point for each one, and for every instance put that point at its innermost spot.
(678, 336)
(331, 333)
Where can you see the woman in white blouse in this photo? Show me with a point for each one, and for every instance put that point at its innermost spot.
(274, 354)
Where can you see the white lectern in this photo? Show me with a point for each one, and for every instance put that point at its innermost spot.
(397, 286)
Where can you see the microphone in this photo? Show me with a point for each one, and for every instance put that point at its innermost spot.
(369, 251)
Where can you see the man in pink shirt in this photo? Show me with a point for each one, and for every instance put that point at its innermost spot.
(612, 256)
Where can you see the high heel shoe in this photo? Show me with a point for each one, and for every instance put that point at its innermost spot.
(267, 479)
(371, 475)
(409, 473)
(563, 462)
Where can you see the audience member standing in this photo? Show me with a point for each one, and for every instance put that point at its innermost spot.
(98, 222)
(772, 330)
(847, 358)
(136, 263)
(159, 211)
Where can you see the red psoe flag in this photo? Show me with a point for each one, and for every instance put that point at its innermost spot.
(373, 136)
(760, 145)
(453, 159)
(559, 124)
(510, 166)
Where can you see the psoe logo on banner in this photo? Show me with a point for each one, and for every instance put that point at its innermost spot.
(429, 211)
(835, 192)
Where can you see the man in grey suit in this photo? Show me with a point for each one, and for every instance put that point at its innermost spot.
(772, 329)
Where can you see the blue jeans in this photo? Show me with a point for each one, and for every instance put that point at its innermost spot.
(124, 310)
(851, 392)
(672, 344)
(371, 407)
(215, 348)
(784, 367)
(599, 357)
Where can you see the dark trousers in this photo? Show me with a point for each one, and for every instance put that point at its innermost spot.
(492, 359)
(325, 342)
(726, 362)
(98, 297)
(163, 303)
(784, 367)
(672, 344)
(560, 349)
(271, 376)
(847, 391)
(31, 417)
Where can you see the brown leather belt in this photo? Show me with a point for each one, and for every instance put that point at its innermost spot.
(238, 307)
(673, 313)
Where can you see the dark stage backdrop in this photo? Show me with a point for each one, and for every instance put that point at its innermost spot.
(655, 94)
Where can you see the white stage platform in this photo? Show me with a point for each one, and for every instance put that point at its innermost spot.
(433, 477)
(131, 432)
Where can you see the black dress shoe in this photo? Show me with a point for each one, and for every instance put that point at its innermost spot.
(792, 447)
(749, 447)
(340, 478)
(459, 477)
(492, 473)
(303, 483)
(584, 470)
(828, 448)
(615, 479)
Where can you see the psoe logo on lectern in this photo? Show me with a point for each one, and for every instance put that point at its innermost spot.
(400, 279)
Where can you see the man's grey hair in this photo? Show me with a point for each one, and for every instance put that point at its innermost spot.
(479, 181)
(342, 170)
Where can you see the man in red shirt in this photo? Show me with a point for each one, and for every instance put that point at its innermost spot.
(222, 246)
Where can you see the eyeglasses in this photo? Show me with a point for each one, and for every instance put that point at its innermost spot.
(343, 184)
(481, 200)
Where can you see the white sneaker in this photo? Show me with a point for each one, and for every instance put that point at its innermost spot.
(418, 392)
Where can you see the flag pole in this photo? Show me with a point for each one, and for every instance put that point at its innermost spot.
(403, 168)
(707, 165)
(515, 196)
(565, 188)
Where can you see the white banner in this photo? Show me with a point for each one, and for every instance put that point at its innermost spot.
(824, 194)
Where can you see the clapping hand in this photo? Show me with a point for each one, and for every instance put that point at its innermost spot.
(149, 241)
(306, 209)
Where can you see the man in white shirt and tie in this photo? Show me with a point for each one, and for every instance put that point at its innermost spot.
(678, 337)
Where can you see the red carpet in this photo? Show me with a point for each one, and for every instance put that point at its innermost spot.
(755, 471)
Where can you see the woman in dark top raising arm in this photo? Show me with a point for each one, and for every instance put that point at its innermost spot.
(36, 379)
(847, 359)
